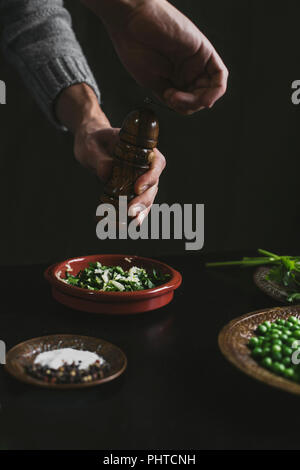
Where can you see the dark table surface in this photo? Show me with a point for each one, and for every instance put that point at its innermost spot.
(178, 391)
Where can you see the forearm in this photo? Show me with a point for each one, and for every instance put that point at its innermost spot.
(39, 41)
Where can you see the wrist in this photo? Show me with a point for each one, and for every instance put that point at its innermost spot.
(77, 107)
(106, 10)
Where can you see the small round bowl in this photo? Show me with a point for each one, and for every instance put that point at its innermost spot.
(271, 288)
(234, 337)
(24, 354)
(111, 302)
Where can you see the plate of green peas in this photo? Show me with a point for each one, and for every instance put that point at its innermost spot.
(266, 345)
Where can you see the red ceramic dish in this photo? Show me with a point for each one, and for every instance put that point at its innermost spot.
(111, 302)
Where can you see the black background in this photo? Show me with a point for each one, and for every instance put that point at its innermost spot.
(240, 159)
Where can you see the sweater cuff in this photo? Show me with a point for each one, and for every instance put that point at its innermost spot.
(54, 76)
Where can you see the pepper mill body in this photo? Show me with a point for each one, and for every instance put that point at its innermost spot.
(132, 155)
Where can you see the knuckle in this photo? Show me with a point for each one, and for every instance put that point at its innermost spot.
(90, 146)
(149, 201)
(155, 187)
(223, 88)
(145, 204)
(154, 183)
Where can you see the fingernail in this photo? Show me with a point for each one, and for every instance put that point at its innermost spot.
(143, 188)
(133, 211)
(141, 218)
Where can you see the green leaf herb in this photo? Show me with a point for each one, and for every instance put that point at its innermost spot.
(285, 270)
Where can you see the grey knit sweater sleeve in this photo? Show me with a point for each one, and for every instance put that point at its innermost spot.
(39, 41)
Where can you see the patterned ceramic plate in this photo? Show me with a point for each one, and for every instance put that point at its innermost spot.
(23, 354)
(272, 289)
(235, 335)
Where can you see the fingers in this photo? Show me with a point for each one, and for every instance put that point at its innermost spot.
(142, 215)
(100, 147)
(219, 77)
(151, 177)
(200, 98)
(205, 91)
(107, 139)
(140, 206)
(185, 102)
(146, 187)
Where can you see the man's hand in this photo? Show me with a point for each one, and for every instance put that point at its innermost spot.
(164, 51)
(94, 149)
(94, 141)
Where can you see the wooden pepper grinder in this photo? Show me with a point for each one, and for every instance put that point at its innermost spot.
(132, 155)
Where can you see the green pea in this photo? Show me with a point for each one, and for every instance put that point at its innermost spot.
(286, 351)
(253, 342)
(288, 324)
(257, 352)
(286, 361)
(286, 331)
(296, 334)
(293, 319)
(277, 341)
(284, 337)
(280, 321)
(267, 344)
(289, 373)
(290, 341)
(267, 324)
(274, 336)
(266, 351)
(276, 355)
(276, 348)
(278, 367)
(266, 362)
(295, 328)
(261, 329)
(276, 332)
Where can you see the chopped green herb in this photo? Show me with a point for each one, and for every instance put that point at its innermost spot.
(115, 279)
